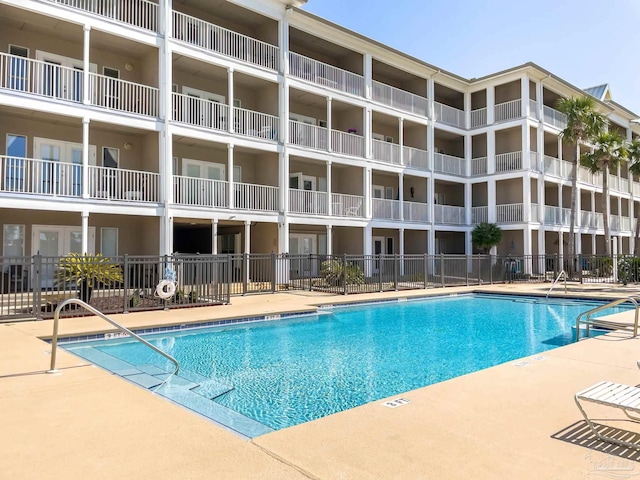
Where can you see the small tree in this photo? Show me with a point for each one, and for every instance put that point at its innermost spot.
(609, 151)
(485, 236)
(87, 271)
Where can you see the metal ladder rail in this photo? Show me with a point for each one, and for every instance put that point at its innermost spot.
(54, 338)
(562, 273)
(588, 322)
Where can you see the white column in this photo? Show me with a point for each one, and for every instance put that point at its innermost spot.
(368, 240)
(431, 241)
(542, 249)
(401, 249)
(526, 146)
(468, 154)
(491, 151)
(165, 137)
(329, 240)
(329, 122)
(366, 188)
(401, 138)
(85, 233)
(431, 88)
(430, 145)
(491, 201)
(86, 48)
(524, 95)
(594, 243)
(467, 203)
(526, 198)
(231, 188)
(247, 236)
(214, 236)
(368, 75)
(367, 131)
(329, 190)
(467, 109)
(231, 115)
(561, 249)
(401, 194)
(560, 196)
(85, 157)
(283, 237)
(560, 149)
(283, 191)
(539, 100)
(283, 42)
(491, 101)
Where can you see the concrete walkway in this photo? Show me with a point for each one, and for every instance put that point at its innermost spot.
(516, 420)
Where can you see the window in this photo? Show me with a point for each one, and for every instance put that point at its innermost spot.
(110, 157)
(13, 240)
(111, 87)
(109, 241)
(19, 67)
(15, 166)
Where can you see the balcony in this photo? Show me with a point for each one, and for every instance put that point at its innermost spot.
(510, 213)
(256, 198)
(347, 143)
(415, 212)
(479, 214)
(343, 205)
(59, 179)
(385, 151)
(585, 176)
(478, 166)
(449, 164)
(556, 167)
(308, 202)
(415, 158)
(400, 99)
(137, 13)
(225, 42)
(255, 124)
(554, 118)
(308, 136)
(508, 162)
(45, 79)
(618, 184)
(325, 75)
(448, 115)
(200, 192)
(478, 117)
(449, 215)
(384, 209)
(200, 112)
(508, 110)
(557, 216)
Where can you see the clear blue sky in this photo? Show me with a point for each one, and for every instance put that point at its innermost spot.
(585, 42)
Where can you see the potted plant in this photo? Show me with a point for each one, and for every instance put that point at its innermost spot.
(87, 271)
(353, 130)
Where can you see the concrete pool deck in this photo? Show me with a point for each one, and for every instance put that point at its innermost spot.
(516, 420)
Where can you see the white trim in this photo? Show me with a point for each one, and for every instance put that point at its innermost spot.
(4, 244)
(18, 46)
(64, 61)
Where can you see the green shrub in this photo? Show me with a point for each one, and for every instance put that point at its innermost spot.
(628, 269)
(333, 273)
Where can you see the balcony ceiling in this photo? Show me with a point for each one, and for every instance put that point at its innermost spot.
(214, 148)
(38, 24)
(226, 11)
(298, 38)
(306, 98)
(197, 68)
(387, 71)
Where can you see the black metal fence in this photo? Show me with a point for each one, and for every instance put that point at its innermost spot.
(32, 287)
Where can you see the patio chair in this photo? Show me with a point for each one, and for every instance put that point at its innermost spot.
(614, 395)
(353, 211)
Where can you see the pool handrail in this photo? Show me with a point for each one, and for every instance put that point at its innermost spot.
(89, 308)
(618, 325)
(562, 273)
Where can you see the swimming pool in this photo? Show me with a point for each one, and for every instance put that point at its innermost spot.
(259, 377)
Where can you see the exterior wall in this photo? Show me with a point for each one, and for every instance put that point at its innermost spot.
(264, 238)
(420, 188)
(415, 242)
(507, 92)
(349, 240)
(509, 191)
(346, 180)
(508, 140)
(415, 136)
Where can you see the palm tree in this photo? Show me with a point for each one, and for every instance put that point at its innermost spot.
(486, 235)
(609, 151)
(583, 123)
(633, 154)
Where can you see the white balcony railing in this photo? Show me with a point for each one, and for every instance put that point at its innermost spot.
(116, 94)
(200, 112)
(478, 117)
(258, 198)
(586, 176)
(448, 214)
(415, 158)
(449, 115)
(508, 110)
(618, 184)
(385, 151)
(533, 109)
(448, 164)
(309, 136)
(139, 13)
(40, 177)
(625, 224)
(400, 99)
(308, 202)
(557, 216)
(635, 186)
(126, 185)
(384, 209)
(479, 214)
(534, 162)
(556, 167)
(200, 192)
(478, 166)
(41, 78)
(255, 124)
(326, 75)
(226, 42)
(415, 212)
(510, 213)
(343, 205)
(554, 117)
(347, 143)
(509, 162)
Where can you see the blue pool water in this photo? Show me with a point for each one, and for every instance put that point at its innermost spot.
(291, 371)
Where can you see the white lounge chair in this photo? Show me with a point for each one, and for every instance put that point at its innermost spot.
(615, 395)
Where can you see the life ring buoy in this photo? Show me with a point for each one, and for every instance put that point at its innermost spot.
(165, 289)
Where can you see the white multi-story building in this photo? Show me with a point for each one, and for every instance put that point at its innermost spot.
(141, 127)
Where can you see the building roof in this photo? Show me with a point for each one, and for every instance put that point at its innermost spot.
(601, 92)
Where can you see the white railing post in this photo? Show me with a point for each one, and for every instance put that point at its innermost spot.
(86, 46)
